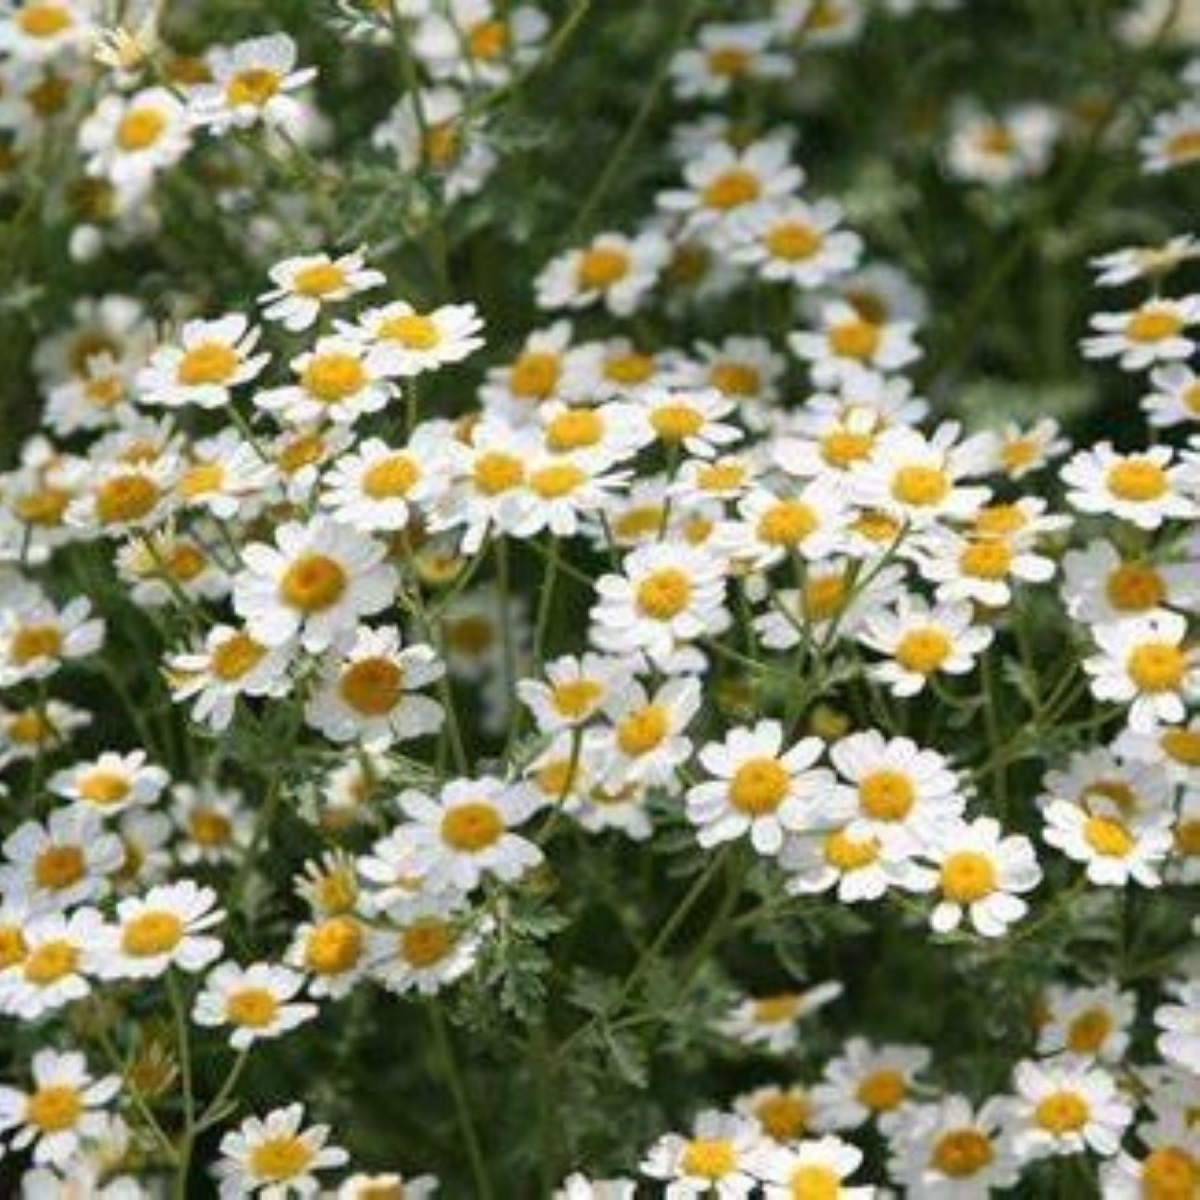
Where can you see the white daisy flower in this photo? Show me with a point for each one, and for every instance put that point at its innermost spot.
(1167, 1168)
(368, 691)
(274, 1156)
(252, 82)
(772, 1022)
(979, 874)
(796, 242)
(225, 476)
(1175, 398)
(1144, 488)
(982, 568)
(58, 955)
(1089, 1022)
(466, 833)
(759, 788)
(340, 380)
(647, 742)
(1146, 663)
(254, 1002)
(304, 286)
(428, 943)
(334, 951)
(46, 29)
(27, 732)
(848, 341)
(389, 1184)
(203, 365)
(1154, 332)
(1117, 849)
(62, 863)
(607, 433)
(61, 1110)
(1066, 1108)
(858, 868)
(997, 150)
(164, 928)
(130, 139)
(536, 376)
(122, 496)
(1020, 450)
(784, 1114)
(867, 1082)
(718, 1158)
(478, 42)
(407, 342)
(688, 419)
(1131, 263)
(812, 1167)
(563, 491)
(376, 488)
(726, 56)
(613, 270)
(574, 690)
(216, 825)
(1173, 139)
(314, 584)
(1102, 585)
(37, 637)
(111, 782)
(808, 522)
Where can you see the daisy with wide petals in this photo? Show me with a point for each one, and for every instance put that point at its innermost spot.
(111, 782)
(867, 1082)
(37, 638)
(1154, 332)
(252, 82)
(718, 1157)
(952, 1150)
(849, 341)
(58, 955)
(254, 1002)
(772, 1021)
(613, 270)
(203, 366)
(1145, 488)
(1117, 848)
(812, 1167)
(164, 928)
(796, 242)
(1064, 1107)
(275, 1155)
(305, 286)
(407, 342)
(63, 862)
(646, 741)
(339, 380)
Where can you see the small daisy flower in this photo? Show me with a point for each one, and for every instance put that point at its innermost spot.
(849, 341)
(867, 1082)
(759, 788)
(1173, 140)
(376, 488)
(160, 563)
(812, 1167)
(536, 376)
(58, 955)
(921, 642)
(613, 270)
(275, 1155)
(1155, 332)
(726, 56)
(1175, 398)
(1000, 150)
(1132, 263)
(982, 568)
(1117, 849)
(62, 863)
(1144, 488)
(252, 82)
(45, 29)
(1146, 663)
(130, 139)
(340, 380)
(606, 433)
(820, 23)
(1166, 1169)
(718, 1158)
(203, 366)
(784, 1114)
(427, 945)
(688, 419)
(979, 874)
(255, 1002)
(896, 790)
(63, 1108)
(647, 742)
(857, 868)
(1103, 586)
(314, 583)
(406, 342)
(478, 42)
(667, 594)
(772, 1022)
(225, 476)
(112, 782)
(573, 692)
(466, 833)
(304, 286)
(334, 951)
(795, 242)
(953, 1151)
(807, 522)
(37, 638)
(369, 692)
(229, 664)
(725, 180)
(27, 732)
(1020, 450)
(1089, 1022)
(164, 928)
(215, 824)
(1066, 1108)
(124, 496)
(563, 491)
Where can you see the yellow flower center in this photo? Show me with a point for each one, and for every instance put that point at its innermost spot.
(441, 148)
(920, 486)
(882, 1090)
(103, 787)
(850, 854)
(664, 594)
(1183, 146)
(841, 448)
(722, 476)
(301, 452)
(574, 429)
(824, 596)
(150, 933)
(255, 86)
(413, 331)
(630, 369)
(208, 362)
(855, 338)
(54, 1109)
(709, 1158)
(968, 876)
(793, 241)
(1135, 587)
(125, 498)
(334, 377)
(553, 482)
(986, 559)
(59, 867)
(961, 1153)
(202, 480)
(44, 507)
(319, 279)
(472, 827)
(1152, 325)
(13, 947)
(44, 20)
(601, 267)
(1187, 838)
(1108, 836)
(372, 686)
(30, 727)
(391, 477)
(471, 635)
(788, 523)
(1019, 453)
(236, 657)
(759, 786)
(576, 697)
(735, 379)
(676, 422)
(280, 1158)
(923, 651)
(140, 128)
(334, 946)
(1137, 480)
(777, 1010)
(1062, 1112)
(252, 1008)
(643, 730)
(1157, 666)
(535, 375)
(313, 583)
(729, 62)
(209, 827)
(814, 1181)
(783, 1115)
(1182, 745)
(487, 40)
(638, 522)
(886, 795)
(1170, 1173)
(732, 189)
(1088, 1031)
(50, 962)
(32, 642)
(426, 942)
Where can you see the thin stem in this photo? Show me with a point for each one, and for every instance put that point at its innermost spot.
(444, 1052)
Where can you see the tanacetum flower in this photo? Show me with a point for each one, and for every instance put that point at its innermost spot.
(254, 1002)
(164, 928)
(275, 1155)
(1066, 1108)
(718, 1157)
(252, 82)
